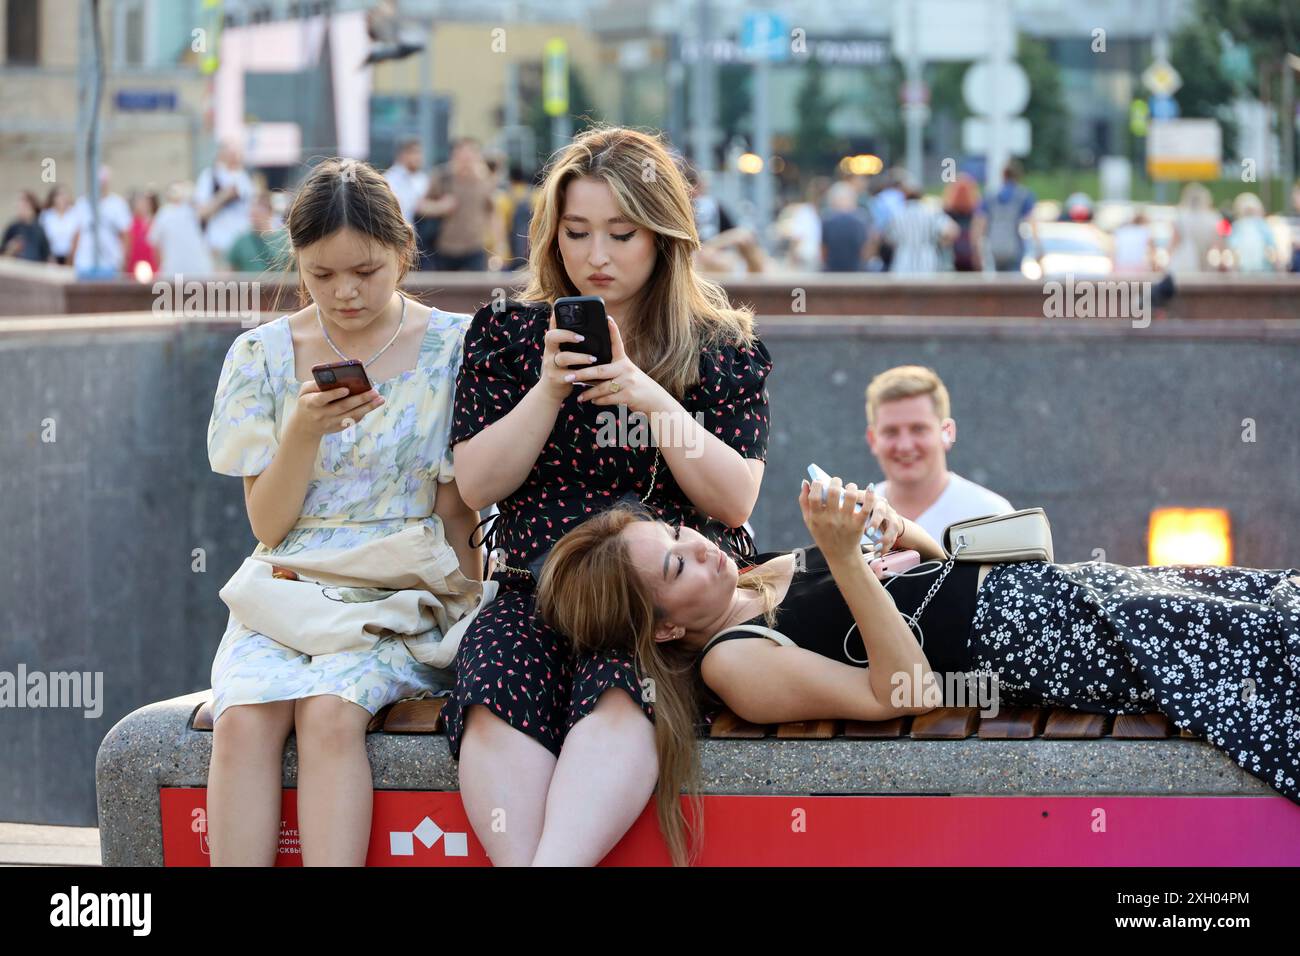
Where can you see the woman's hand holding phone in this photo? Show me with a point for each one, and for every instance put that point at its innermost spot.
(557, 363)
(621, 382)
(324, 413)
(836, 526)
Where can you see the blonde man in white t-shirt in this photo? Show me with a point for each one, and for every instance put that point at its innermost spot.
(910, 430)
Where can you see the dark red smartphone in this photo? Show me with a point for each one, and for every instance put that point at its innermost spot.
(585, 314)
(350, 375)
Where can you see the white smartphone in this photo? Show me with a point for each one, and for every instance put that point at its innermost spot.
(871, 536)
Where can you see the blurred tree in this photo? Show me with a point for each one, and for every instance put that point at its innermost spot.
(583, 110)
(1046, 111)
(880, 104)
(735, 102)
(1266, 28)
(815, 148)
(1207, 91)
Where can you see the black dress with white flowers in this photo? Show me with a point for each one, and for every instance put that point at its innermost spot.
(1217, 650)
(509, 660)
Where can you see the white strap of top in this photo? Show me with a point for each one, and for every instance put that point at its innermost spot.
(758, 629)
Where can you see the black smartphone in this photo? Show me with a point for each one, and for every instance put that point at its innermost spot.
(350, 375)
(585, 314)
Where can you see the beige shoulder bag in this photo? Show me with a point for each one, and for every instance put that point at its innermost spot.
(1024, 535)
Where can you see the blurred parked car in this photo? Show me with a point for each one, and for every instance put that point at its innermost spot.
(1077, 248)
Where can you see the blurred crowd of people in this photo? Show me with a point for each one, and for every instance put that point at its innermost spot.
(472, 213)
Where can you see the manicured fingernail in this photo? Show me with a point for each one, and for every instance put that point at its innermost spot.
(569, 377)
(579, 338)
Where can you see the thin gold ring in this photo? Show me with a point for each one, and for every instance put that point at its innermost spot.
(556, 359)
(615, 387)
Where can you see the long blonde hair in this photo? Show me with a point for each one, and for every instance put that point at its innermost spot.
(589, 591)
(679, 313)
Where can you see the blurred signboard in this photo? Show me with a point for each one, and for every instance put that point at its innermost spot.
(1161, 79)
(764, 36)
(998, 87)
(941, 29)
(131, 101)
(273, 144)
(1180, 149)
(976, 133)
(831, 51)
(1164, 108)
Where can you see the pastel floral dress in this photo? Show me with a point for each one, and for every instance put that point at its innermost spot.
(372, 483)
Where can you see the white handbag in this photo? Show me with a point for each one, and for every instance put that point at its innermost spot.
(1024, 535)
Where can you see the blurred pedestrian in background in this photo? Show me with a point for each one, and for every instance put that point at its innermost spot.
(1195, 230)
(918, 232)
(99, 253)
(178, 235)
(263, 247)
(224, 197)
(1251, 241)
(799, 228)
(1003, 213)
(24, 237)
(711, 216)
(961, 203)
(60, 223)
(144, 206)
(1295, 227)
(407, 178)
(1132, 249)
(844, 231)
(459, 198)
(520, 196)
(886, 202)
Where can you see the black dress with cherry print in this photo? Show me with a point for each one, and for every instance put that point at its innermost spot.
(525, 672)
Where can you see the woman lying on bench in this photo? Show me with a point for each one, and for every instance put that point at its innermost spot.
(1216, 649)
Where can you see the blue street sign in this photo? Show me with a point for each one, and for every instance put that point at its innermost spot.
(1164, 107)
(145, 100)
(764, 35)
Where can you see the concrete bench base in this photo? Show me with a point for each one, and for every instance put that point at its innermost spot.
(156, 747)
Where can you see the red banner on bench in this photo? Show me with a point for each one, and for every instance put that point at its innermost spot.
(429, 828)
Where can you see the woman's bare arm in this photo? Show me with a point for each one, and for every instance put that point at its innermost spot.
(458, 523)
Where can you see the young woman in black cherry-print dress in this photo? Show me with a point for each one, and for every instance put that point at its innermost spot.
(542, 748)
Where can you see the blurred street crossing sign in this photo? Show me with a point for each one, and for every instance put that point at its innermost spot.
(764, 36)
(555, 77)
(1164, 108)
(1182, 149)
(1161, 79)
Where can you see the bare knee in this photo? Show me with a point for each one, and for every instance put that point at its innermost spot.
(245, 728)
(329, 724)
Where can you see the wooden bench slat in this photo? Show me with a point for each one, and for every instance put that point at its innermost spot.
(415, 716)
(807, 729)
(1013, 723)
(877, 729)
(1064, 724)
(727, 726)
(945, 723)
(1141, 726)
